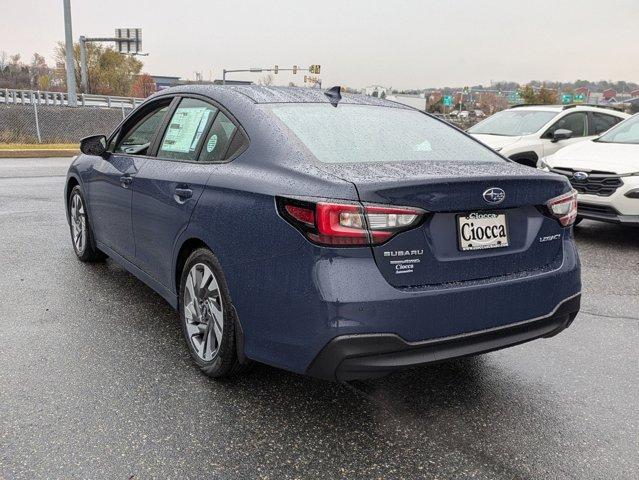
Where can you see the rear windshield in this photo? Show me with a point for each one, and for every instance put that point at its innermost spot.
(364, 133)
(514, 123)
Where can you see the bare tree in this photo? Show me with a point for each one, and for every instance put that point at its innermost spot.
(266, 80)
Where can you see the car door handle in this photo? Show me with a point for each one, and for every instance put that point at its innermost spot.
(126, 180)
(183, 193)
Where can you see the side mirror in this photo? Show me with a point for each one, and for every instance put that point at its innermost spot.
(94, 145)
(561, 134)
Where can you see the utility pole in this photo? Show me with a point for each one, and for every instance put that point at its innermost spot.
(68, 45)
(83, 64)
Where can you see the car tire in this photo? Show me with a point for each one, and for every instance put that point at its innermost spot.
(208, 317)
(80, 228)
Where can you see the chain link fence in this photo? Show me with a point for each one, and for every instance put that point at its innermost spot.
(33, 123)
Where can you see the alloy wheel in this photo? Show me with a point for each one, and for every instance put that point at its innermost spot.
(78, 223)
(203, 311)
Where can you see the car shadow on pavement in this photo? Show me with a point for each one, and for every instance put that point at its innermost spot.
(404, 419)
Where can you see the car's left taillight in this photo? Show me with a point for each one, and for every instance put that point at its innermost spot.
(344, 224)
(564, 208)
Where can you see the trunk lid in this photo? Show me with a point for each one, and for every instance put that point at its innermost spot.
(431, 254)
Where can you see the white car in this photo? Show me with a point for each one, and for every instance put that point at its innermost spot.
(527, 133)
(605, 173)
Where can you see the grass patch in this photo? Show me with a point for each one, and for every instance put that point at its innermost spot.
(39, 146)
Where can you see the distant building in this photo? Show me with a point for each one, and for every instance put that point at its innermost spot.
(377, 90)
(415, 101)
(610, 94)
(233, 82)
(163, 81)
(585, 91)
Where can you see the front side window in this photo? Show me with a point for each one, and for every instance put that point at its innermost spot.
(365, 133)
(602, 122)
(625, 132)
(514, 122)
(576, 122)
(184, 134)
(137, 140)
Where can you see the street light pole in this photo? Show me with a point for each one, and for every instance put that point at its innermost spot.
(83, 65)
(68, 45)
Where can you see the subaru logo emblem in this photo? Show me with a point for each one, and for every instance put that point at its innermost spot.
(494, 195)
(580, 176)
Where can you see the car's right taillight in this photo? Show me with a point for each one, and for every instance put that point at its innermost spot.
(564, 208)
(343, 224)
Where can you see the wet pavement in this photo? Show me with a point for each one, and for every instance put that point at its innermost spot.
(96, 381)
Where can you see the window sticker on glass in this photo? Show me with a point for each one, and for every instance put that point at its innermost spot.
(185, 130)
(210, 145)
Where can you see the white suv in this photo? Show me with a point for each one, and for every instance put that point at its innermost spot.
(605, 173)
(529, 132)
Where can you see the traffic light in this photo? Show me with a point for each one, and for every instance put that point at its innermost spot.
(276, 69)
(314, 69)
(294, 69)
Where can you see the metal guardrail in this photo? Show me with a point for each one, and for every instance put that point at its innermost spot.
(36, 97)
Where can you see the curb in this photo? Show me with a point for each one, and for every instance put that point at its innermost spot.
(38, 153)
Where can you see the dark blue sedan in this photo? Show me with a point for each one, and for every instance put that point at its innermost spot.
(340, 236)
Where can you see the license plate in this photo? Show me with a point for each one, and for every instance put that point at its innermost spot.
(482, 230)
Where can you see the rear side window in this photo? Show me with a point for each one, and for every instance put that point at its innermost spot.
(602, 122)
(218, 139)
(364, 133)
(184, 135)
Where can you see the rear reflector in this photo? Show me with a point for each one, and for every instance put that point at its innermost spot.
(346, 223)
(564, 208)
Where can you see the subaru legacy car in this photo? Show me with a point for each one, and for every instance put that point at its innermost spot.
(339, 236)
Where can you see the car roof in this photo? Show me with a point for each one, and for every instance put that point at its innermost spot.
(569, 107)
(540, 108)
(258, 94)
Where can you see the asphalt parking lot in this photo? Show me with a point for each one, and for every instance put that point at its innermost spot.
(96, 381)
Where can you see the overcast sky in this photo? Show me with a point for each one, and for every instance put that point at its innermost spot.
(399, 43)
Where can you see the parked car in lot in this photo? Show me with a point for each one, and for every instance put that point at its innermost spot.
(605, 172)
(527, 133)
(338, 237)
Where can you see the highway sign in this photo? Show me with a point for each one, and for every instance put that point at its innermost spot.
(579, 98)
(129, 40)
(566, 98)
(448, 100)
(514, 98)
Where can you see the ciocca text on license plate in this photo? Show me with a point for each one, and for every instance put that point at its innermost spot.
(482, 230)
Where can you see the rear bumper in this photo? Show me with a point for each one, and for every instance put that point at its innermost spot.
(351, 357)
